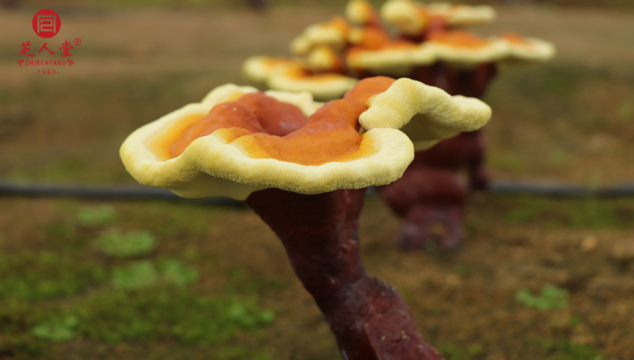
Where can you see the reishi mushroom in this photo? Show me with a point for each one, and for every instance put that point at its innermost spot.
(429, 47)
(331, 33)
(412, 18)
(321, 74)
(302, 167)
(431, 196)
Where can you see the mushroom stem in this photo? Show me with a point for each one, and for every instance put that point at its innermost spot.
(466, 149)
(368, 317)
(427, 74)
(432, 203)
(431, 196)
(467, 82)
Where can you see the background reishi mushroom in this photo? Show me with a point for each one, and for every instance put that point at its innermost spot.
(332, 54)
(312, 201)
(430, 47)
(413, 19)
(320, 74)
(460, 63)
(432, 202)
(331, 33)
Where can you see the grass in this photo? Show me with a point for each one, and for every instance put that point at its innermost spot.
(561, 90)
(143, 274)
(149, 316)
(566, 350)
(56, 330)
(571, 127)
(134, 243)
(588, 213)
(96, 215)
(45, 275)
(122, 288)
(135, 276)
(162, 316)
(551, 298)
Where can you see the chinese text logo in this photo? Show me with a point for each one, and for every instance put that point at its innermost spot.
(46, 23)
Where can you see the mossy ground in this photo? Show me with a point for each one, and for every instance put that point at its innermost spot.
(238, 298)
(155, 280)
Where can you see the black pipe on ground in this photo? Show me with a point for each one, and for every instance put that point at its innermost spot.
(561, 190)
(137, 192)
(127, 192)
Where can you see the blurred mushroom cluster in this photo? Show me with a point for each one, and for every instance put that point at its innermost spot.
(425, 42)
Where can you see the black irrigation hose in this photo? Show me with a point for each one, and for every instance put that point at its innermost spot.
(136, 192)
(561, 190)
(129, 192)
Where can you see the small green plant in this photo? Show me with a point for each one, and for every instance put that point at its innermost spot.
(576, 213)
(143, 274)
(56, 330)
(175, 272)
(565, 350)
(137, 275)
(241, 314)
(134, 243)
(99, 215)
(551, 298)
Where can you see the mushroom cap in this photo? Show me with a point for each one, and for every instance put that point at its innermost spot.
(332, 33)
(408, 17)
(427, 113)
(376, 52)
(260, 68)
(217, 165)
(466, 49)
(462, 15)
(221, 164)
(391, 61)
(528, 48)
(323, 86)
(324, 59)
(411, 17)
(294, 75)
(361, 13)
(456, 47)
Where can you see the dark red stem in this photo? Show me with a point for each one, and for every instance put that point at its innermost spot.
(466, 82)
(467, 149)
(431, 196)
(368, 317)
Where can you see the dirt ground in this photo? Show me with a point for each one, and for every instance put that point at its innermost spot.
(570, 120)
